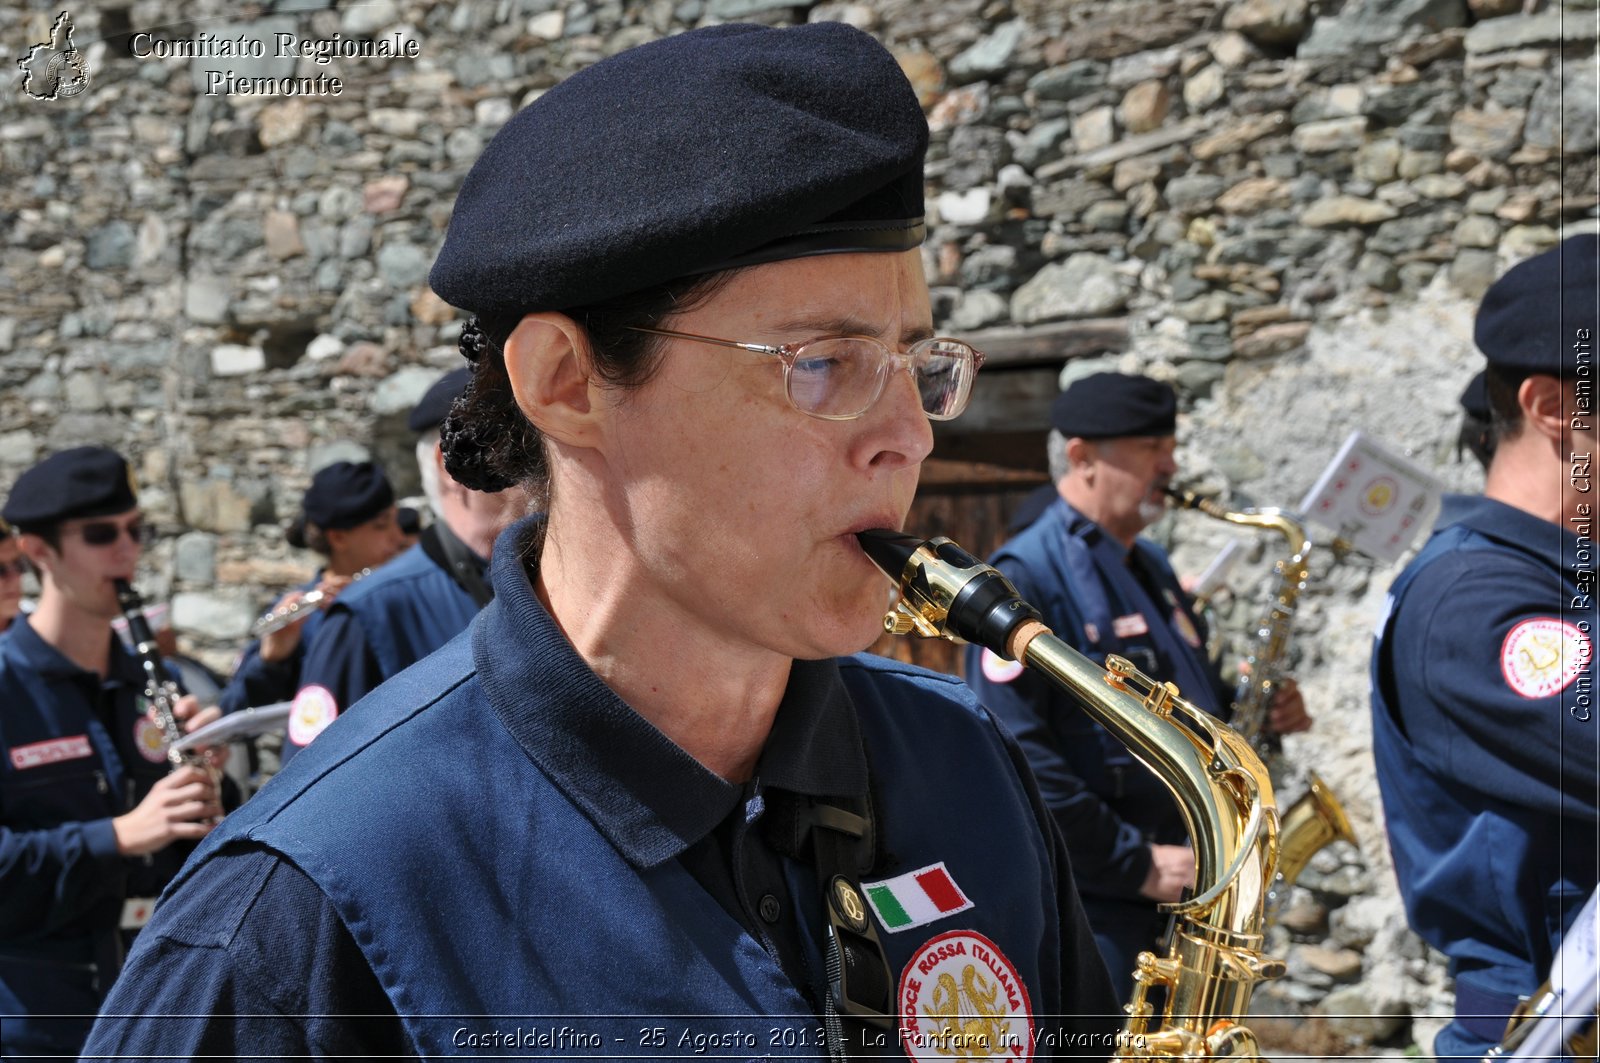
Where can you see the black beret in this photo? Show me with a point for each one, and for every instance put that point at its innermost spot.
(1106, 405)
(347, 493)
(719, 147)
(434, 407)
(81, 482)
(1543, 315)
(1475, 399)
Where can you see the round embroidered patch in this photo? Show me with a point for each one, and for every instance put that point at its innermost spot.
(1543, 656)
(149, 740)
(314, 709)
(996, 669)
(960, 998)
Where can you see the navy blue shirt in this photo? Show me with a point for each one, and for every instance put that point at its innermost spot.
(1485, 741)
(77, 750)
(651, 886)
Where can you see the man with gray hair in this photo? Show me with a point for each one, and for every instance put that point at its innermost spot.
(1105, 589)
(417, 602)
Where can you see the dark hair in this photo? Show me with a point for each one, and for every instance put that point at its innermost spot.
(1476, 437)
(50, 533)
(489, 445)
(312, 537)
(1505, 412)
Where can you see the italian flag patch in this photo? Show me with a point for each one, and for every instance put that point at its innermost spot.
(915, 899)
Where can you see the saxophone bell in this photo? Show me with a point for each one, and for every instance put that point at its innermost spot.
(1214, 958)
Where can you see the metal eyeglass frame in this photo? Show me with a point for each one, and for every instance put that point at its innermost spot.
(789, 354)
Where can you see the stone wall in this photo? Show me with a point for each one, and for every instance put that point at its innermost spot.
(1293, 203)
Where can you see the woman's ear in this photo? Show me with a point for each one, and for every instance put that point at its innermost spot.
(547, 363)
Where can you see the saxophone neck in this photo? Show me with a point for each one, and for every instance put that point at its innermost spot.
(1285, 523)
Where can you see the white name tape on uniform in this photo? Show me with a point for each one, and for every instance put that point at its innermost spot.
(996, 669)
(1130, 626)
(961, 998)
(51, 751)
(314, 709)
(1541, 657)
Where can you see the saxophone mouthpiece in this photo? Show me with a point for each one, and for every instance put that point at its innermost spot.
(889, 550)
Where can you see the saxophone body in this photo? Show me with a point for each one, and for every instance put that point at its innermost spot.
(1214, 958)
(1317, 818)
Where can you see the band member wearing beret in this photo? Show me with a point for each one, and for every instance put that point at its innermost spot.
(1104, 589)
(1483, 721)
(650, 780)
(396, 617)
(89, 815)
(348, 516)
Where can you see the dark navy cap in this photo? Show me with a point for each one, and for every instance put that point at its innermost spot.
(408, 520)
(81, 482)
(1106, 405)
(1475, 399)
(434, 407)
(1545, 312)
(347, 493)
(720, 147)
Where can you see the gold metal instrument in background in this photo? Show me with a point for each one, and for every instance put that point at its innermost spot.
(1213, 958)
(281, 617)
(1317, 818)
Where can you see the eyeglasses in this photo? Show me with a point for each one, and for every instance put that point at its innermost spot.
(840, 377)
(105, 532)
(17, 568)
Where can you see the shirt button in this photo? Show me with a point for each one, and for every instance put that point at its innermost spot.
(770, 909)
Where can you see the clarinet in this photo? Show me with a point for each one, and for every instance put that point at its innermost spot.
(158, 687)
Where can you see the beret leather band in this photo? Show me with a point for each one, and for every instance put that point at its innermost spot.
(838, 238)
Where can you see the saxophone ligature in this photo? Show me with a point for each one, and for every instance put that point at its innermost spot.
(1317, 818)
(1214, 957)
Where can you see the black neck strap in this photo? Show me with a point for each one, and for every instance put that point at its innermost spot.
(860, 989)
(457, 558)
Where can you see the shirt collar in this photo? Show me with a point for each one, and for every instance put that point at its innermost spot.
(1553, 544)
(649, 797)
(49, 661)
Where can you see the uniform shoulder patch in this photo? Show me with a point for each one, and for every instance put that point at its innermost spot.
(1542, 656)
(960, 997)
(313, 710)
(996, 669)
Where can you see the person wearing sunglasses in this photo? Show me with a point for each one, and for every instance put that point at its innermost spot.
(92, 823)
(12, 569)
(348, 516)
(655, 777)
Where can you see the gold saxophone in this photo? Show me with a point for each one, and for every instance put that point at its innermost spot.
(1317, 819)
(1214, 958)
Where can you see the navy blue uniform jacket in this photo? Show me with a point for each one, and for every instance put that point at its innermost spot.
(1485, 738)
(78, 751)
(536, 878)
